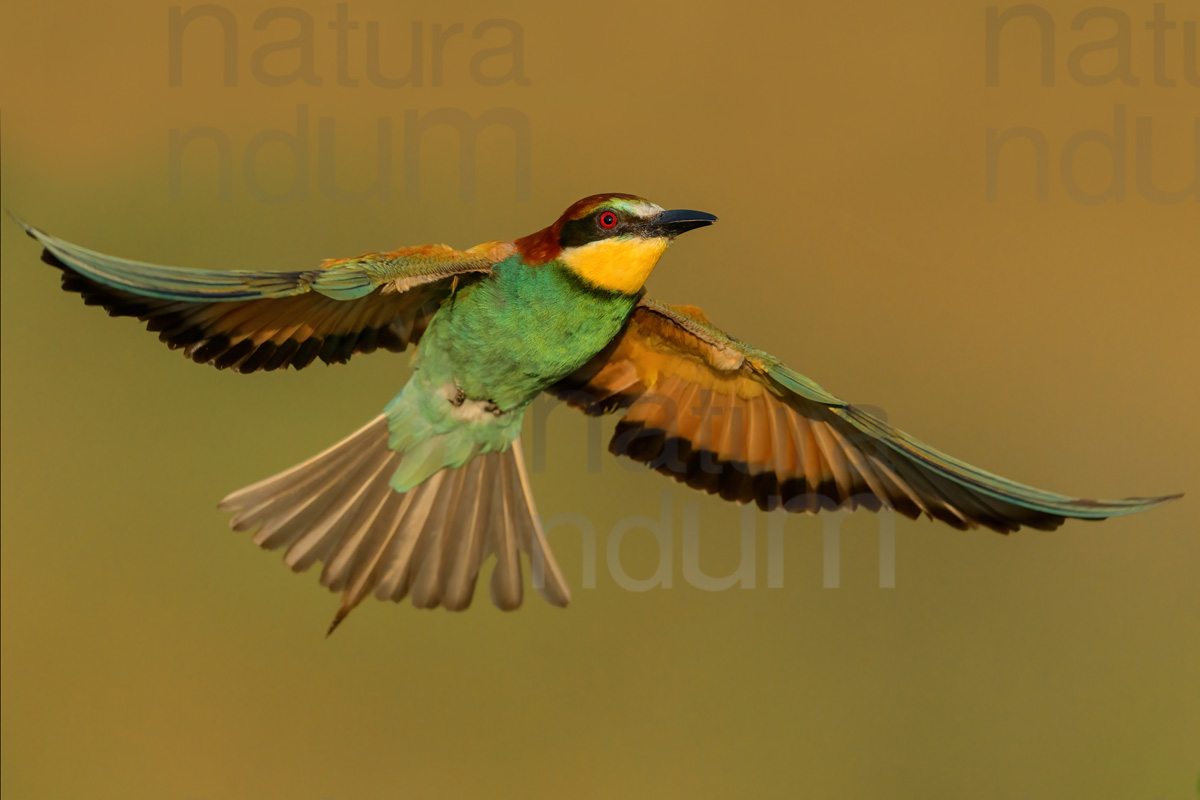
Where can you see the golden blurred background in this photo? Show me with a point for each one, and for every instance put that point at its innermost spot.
(149, 652)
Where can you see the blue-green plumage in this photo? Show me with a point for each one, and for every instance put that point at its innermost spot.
(488, 352)
(506, 339)
(414, 502)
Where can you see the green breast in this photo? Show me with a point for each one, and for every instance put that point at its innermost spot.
(510, 336)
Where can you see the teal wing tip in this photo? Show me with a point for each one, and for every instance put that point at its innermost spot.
(1101, 509)
(25, 226)
(1152, 502)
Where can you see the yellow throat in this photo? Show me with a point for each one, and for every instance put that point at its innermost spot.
(619, 265)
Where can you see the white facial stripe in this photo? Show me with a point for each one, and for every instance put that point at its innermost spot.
(642, 209)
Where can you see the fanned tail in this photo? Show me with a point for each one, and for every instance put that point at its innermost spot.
(338, 508)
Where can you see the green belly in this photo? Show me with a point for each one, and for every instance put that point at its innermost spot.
(510, 336)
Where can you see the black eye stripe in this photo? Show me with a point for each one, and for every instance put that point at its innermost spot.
(591, 228)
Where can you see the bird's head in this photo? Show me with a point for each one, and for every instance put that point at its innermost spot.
(611, 241)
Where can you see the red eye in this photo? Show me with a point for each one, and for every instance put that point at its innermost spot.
(608, 220)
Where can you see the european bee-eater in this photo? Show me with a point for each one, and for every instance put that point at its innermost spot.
(415, 501)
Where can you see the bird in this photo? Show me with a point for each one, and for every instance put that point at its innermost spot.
(417, 500)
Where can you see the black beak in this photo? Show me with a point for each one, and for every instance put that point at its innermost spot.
(677, 221)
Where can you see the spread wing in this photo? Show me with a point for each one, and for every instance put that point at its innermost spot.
(726, 418)
(250, 320)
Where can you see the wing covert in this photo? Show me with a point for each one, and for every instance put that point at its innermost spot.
(726, 418)
(250, 320)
